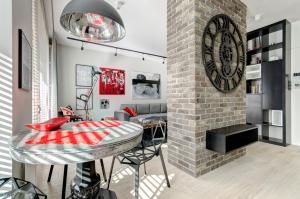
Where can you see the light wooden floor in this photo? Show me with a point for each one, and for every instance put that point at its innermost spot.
(266, 172)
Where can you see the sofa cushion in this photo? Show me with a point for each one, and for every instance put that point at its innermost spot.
(155, 108)
(133, 106)
(136, 119)
(163, 108)
(130, 111)
(121, 115)
(143, 108)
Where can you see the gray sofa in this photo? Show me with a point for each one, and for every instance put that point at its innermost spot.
(143, 111)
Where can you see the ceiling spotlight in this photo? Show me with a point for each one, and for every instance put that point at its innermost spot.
(257, 17)
(82, 48)
(116, 53)
(163, 61)
(143, 58)
(93, 19)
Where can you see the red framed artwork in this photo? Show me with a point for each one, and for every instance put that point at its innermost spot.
(112, 82)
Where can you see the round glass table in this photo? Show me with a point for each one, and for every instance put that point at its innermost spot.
(81, 143)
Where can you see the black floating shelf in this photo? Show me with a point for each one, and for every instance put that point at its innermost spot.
(273, 47)
(226, 139)
(255, 79)
(274, 61)
(254, 51)
(269, 124)
(265, 49)
(139, 81)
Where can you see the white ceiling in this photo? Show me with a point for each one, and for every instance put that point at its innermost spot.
(146, 22)
(271, 11)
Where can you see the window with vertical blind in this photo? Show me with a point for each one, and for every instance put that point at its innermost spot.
(44, 67)
(35, 63)
(53, 79)
(44, 51)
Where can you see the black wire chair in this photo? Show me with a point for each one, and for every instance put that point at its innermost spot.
(63, 192)
(143, 153)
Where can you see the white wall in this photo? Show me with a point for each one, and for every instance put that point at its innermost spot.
(6, 36)
(22, 109)
(21, 99)
(68, 57)
(295, 92)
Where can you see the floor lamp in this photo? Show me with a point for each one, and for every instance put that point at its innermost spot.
(86, 97)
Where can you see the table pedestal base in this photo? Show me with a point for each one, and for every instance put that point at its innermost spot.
(86, 184)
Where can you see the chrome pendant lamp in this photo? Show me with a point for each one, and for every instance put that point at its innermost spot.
(93, 20)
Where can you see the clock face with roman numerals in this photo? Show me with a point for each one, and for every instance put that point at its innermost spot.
(223, 53)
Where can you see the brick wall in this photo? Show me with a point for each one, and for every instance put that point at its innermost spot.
(194, 105)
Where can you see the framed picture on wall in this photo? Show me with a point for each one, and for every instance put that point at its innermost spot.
(112, 82)
(84, 75)
(81, 97)
(25, 62)
(104, 103)
(145, 85)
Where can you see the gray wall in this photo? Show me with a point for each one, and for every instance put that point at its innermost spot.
(68, 57)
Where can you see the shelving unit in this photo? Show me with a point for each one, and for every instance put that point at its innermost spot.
(267, 72)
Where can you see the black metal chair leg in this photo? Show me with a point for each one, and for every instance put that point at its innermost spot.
(110, 172)
(136, 180)
(145, 168)
(164, 167)
(50, 173)
(103, 170)
(63, 192)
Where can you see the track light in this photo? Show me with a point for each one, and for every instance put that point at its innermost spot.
(82, 48)
(138, 53)
(163, 61)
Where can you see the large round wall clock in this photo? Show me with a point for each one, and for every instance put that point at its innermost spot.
(223, 53)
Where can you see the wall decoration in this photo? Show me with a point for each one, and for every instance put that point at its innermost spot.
(145, 85)
(25, 62)
(104, 103)
(81, 96)
(112, 82)
(84, 75)
(223, 53)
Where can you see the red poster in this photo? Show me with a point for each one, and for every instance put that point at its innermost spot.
(112, 82)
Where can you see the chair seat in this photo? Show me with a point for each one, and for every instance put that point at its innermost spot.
(144, 152)
(136, 156)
